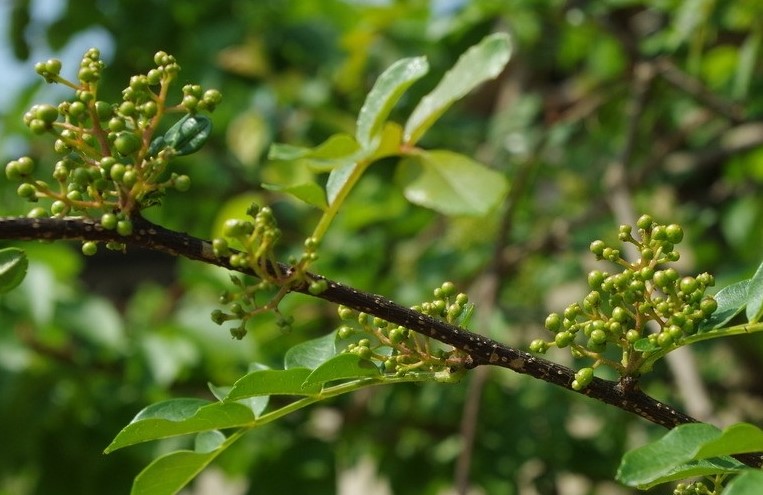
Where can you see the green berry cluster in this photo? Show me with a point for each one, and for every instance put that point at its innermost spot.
(696, 488)
(645, 310)
(111, 165)
(399, 350)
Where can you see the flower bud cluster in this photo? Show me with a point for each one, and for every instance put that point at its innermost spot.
(104, 167)
(398, 350)
(618, 310)
(695, 488)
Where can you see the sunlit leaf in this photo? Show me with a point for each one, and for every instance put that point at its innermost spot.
(731, 301)
(454, 184)
(272, 382)
(337, 179)
(755, 296)
(683, 452)
(168, 474)
(312, 353)
(257, 403)
(338, 150)
(387, 90)
(180, 417)
(309, 192)
(478, 64)
(736, 439)
(342, 367)
(13, 267)
(646, 464)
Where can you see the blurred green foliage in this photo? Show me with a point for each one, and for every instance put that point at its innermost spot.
(85, 344)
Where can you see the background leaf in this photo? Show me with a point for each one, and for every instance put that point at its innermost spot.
(454, 184)
(477, 65)
(387, 90)
(13, 267)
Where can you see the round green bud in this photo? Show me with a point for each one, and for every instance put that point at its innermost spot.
(130, 177)
(103, 110)
(664, 339)
(619, 314)
(674, 233)
(344, 332)
(27, 191)
(53, 66)
(46, 113)
(317, 287)
(448, 289)
(632, 335)
(154, 76)
(89, 248)
(659, 233)
(182, 183)
(647, 254)
(538, 345)
(644, 222)
(462, 299)
(563, 339)
(109, 221)
(38, 212)
(597, 247)
(127, 143)
(646, 273)
(127, 109)
(149, 109)
(708, 306)
(212, 97)
(584, 376)
(220, 247)
(688, 285)
(598, 336)
(59, 207)
(25, 165)
(595, 278)
(553, 322)
(77, 110)
(117, 172)
(38, 126)
(661, 279)
(124, 227)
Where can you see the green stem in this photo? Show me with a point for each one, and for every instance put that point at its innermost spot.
(333, 208)
(743, 329)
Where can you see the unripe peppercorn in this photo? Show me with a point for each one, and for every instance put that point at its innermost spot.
(644, 222)
(124, 227)
(89, 248)
(597, 247)
(674, 233)
(553, 322)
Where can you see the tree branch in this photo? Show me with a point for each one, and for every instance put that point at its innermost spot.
(481, 350)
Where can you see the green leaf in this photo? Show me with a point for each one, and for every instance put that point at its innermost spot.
(338, 150)
(309, 192)
(755, 296)
(689, 450)
(180, 417)
(342, 367)
(312, 353)
(337, 179)
(207, 441)
(169, 473)
(731, 301)
(13, 267)
(645, 345)
(272, 382)
(738, 438)
(257, 404)
(747, 483)
(387, 90)
(478, 64)
(693, 469)
(644, 465)
(454, 184)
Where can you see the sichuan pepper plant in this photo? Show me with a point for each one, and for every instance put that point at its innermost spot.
(115, 162)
